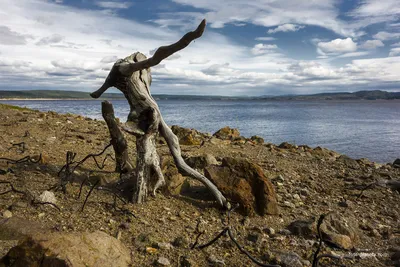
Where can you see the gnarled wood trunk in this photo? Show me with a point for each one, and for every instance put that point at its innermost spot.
(132, 77)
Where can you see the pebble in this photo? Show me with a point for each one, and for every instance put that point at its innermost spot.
(7, 214)
(48, 196)
(270, 231)
(162, 261)
(215, 262)
(288, 204)
(164, 246)
(151, 250)
(296, 196)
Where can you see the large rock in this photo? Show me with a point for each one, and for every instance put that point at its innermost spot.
(227, 133)
(200, 162)
(76, 249)
(244, 182)
(396, 163)
(340, 231)
(188, 137)
(174, 181)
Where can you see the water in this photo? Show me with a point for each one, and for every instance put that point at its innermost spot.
(369, 129)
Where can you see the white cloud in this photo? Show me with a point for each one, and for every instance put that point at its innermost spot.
(396, 44)
(53, 39)
(354, 54)
(372, 44)
(394, 52)
(199, 61)
(286, 28)
(387, 35)
(9, 37)
(266, 39)
(266, 13)
(113, 5)
(261, 49)
(378, 8)
(337, 46)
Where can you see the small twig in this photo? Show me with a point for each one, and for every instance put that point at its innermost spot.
(228, 230)
(316, 259)
(13, 189)
(22, 160)
(87, 196)
(20, 147)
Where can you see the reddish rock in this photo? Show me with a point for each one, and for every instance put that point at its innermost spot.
(188, 137)
(227, 133)
(244, 182)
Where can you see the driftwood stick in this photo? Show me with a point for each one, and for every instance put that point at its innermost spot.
(132, 77)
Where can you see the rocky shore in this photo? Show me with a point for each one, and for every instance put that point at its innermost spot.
(282, 189)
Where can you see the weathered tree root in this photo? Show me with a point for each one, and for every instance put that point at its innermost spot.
(118, 141)
(132, 77)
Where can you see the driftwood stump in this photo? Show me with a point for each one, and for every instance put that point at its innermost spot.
(132, 77)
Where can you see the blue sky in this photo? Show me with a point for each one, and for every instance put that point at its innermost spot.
(258, 47)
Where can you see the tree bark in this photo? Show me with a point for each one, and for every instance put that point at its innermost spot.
(118, 141)
(132, 77)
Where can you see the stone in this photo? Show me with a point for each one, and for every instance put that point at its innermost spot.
(227, 133)
(180, 242)
(284, 258)
(348, 162)
(200, 162)
(68, 249)
(164, 246)
(185, 261)
(340, 231)
(269, 230)
(7, 214)
(396, 163)
(257, 139)
(244, 182)
(48, 197)
(162, 261)
(304, 228)
(286, 145)
(174, 181)
(215, 262)
(188, 137)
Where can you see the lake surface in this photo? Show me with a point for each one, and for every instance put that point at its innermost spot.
(369, 129)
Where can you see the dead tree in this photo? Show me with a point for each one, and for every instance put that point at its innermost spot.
(132, 77)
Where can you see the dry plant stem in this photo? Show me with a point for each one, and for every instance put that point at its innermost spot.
(118, 140)
(132, 77)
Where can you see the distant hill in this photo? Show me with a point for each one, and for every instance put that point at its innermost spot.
(58, 94)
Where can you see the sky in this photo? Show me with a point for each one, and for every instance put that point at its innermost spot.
(249, 48)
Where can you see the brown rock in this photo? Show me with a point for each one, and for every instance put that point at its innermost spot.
(286, 145)
(339, 231)
(227, 133)
(200, 162)
(188, 137)
(78, 249)
(305, 228)
(175, 181)
(257, 139)
(244, 182)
